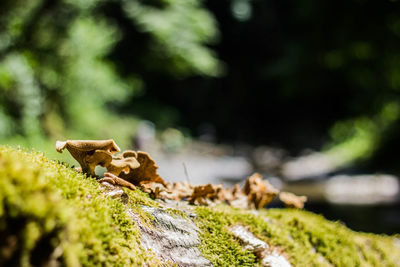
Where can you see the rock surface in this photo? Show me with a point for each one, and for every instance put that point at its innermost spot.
(172, 238)
(268, 256)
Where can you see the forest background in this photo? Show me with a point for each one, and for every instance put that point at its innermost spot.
(321, 75)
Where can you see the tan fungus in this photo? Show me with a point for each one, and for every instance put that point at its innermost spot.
(125, 165)
(89, 153)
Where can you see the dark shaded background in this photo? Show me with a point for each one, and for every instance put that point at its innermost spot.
(294, 75)
(292, 70)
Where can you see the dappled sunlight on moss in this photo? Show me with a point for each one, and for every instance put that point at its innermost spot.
(306, 239)
(100, 227)
(44, 204)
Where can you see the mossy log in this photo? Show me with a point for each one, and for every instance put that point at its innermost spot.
(52, 215)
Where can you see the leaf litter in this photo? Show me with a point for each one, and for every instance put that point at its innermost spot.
(137, 169)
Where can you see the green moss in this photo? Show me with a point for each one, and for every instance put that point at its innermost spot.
(306, 239)
(177, 213)
(44, 199)
(49, 212)
(217, 243)
(34, 220)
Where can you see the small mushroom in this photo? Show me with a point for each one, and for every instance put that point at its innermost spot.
(89, 153)
(126, 154)
(116, 166)
(99, 157)
(292, 201)
(129, 154)
(88, 145)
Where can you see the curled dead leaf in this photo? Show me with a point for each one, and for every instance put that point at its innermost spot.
(115, 180)
(259, 192)
(204, 194)
(236, 190)
(238, 199)
(137, 168)
(155, 190)
(181, 190)
(292, 201)
(146, 172)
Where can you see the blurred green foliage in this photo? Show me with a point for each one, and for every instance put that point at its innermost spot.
(357, 138)
(320, 75)
(56, 77)
(309, 74)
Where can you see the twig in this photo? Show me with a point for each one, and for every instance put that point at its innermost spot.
(186, 172)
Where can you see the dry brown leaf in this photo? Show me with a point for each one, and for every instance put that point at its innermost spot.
(236, 190)
(139, 168)
(115, 180)
(182, 190)
(259, 192)
(146, 173)
(292, 201)
(202, 201)
(153, 189)
(238, 199)
(89, 153)
(177, 191)
(225, 195)
(208, 191)
(204, 194)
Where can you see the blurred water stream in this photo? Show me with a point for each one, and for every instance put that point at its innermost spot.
(368, 202)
